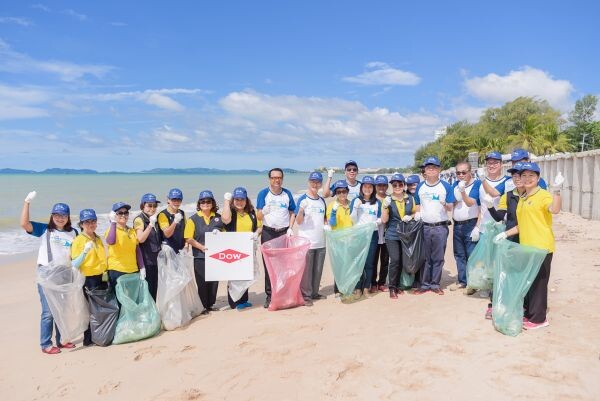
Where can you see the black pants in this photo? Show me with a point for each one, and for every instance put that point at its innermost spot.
(152, 279)
(91, 282)
(113, 275)
(394, 248)
(267, 235)
(240, 301)
(207, 290)
(536, 300)
(384, 260)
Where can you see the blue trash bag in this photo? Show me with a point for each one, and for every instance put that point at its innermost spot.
(480, 266)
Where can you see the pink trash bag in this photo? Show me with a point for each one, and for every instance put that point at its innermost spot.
(285, 258)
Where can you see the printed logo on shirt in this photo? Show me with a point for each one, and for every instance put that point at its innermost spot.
(435, 197)
(229, 256)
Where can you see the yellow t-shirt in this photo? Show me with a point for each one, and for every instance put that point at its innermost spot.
(502, 205)
(535, 220)
(138, 223)
(94, 262)
(163, 222)
(121, 255)
(342, 216)
(243, 223)
(190, 227)
(401, 206)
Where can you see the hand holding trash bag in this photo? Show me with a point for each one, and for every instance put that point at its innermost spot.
(178, 217)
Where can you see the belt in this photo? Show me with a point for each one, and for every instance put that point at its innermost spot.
(458, 223)
(441, 223)
(275, 230)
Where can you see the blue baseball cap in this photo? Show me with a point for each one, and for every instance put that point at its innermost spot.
(149, 198)
(432, 160)
(62, 209)
(397, 177)
(87, 214)
(530, 167)
(120, 205)
(206, 194)
(381, 180)
(350, 163)
(175, 193)
(493, 155)
(367, 180)
(240, 193)
(519, 154)
(516, 168)
(413, 179)
(315, 176)
(340, 184)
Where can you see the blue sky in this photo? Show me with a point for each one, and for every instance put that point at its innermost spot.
(237, 84)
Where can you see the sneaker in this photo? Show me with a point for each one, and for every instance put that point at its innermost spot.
(243, 306)
(267, 303)
(382, 288)
(488, 313)
(66, 345)
(419, 291)
(319, 296)
(393, 293)
(532, 326)
(438, 291)
(456, 286)
(373, 289)
(470, 291)
(51, 350)
(308, 302)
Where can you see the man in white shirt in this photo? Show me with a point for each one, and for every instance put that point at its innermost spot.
(351, 172)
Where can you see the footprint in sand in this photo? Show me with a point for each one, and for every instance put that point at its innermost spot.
(147, 351)
(191, 394)
(350, 367)
(108, 387)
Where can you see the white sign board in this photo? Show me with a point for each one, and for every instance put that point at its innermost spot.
(229, 256)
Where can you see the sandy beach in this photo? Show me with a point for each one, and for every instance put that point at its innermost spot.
(426, 347)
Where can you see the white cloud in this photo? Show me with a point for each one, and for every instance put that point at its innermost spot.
(16, 20)
(15, 62)
(22, 103)
(40, 7)
(74, 14)
(154, 97)
(163, 102)
(469, 113)
(379, 73)
(527, 81)
(166, 136)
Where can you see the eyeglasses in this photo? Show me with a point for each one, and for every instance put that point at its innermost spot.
(205, 201)
(341, 191)
(276, 178)
(461, 172)
(152, 205)
(122, 213)
(351, 170)
(397, 184)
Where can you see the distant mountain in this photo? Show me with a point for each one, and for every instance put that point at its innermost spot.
(171, 171)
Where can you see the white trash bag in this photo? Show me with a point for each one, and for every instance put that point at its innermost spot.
(237, 288)
(190, 293)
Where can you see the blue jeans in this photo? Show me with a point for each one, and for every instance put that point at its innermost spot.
(46, 322)
(463, 247)
(370, 263)
(434, 247)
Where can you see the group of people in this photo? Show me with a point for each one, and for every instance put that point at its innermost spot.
(520, 199)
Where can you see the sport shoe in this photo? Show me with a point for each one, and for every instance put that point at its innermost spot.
(308, 302)
(470, 291)
(532, 326)
(488, 313)
(267, 303)
(382, 288)
(66, 345)
(51, 350)
(373, 289)
(319, 296)
(456, 286)
(393, 293)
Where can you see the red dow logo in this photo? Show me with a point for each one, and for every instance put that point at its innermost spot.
(229, 256)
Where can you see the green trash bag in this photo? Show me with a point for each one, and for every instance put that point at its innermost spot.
(480, 266)
(138, 318)
(406, 280)
(348, 249)
(517, 267)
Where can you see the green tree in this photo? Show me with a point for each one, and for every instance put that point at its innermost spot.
(582, 120)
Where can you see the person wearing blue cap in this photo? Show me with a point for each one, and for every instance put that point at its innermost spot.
(521, 156)
(55, 247)
(276, 206)
(364, 209)
(465, 215)
(493, 183)
(150, 239)
(239, 215)
(534, 226)
(399, 208)
(351, 172)
(89, 256)
(381, 254)
(338, 213)
(171, 220)
(434, 199)
(124, 253)
(310, 217)
(206, 220)
(411, 183)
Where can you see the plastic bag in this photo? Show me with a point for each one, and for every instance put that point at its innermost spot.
(104, 313)
(480, 266)
(517, 267)
(173, 277)
(285, 258)
(411, 238)
(237, 288)
(348, 249)
(63, 288)
(406, 280)
(189, 295)
(139, 316)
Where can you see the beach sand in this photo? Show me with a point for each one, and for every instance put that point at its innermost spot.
(426, 347)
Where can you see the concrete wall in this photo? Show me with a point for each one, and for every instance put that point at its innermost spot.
(581, 190)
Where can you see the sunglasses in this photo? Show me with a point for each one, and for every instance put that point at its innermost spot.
(350, 170)
(205, 201)
(461, 172)
(122, 213)
(276, 178)
(341, 191)
(397, 184)
(152, 205)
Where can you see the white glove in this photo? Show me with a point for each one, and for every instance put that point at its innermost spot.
(335, 206)
(500, 237)
(30, 196)
(330, 173)
(408, 218)
(387, 201)
(290, 232)
(178, 217)
(227, 196)
(143, 273)
(378, 221)
(487, 200)
(215, 231)
(461, 186)
(303, 204)
(112, 217)
(556, 185)
(255, 236)
(481, 173)
(475, 234)
(266, 210)
(327, 227)
(153, 219)
(88, 246)
(417, 216)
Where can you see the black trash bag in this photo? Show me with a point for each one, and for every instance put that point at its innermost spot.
(411, 238)
(104, 313)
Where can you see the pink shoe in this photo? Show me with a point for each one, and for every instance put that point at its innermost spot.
(525, 320)
(488, 313)
(532, 326)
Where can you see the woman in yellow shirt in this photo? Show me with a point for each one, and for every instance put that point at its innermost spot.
(338, 213)
(87, 252)
(534, 226)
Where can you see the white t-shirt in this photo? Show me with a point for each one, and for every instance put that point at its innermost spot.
(461, 211)
(429, 197)
(280, 206)
(363, 213)
(353, 191)
(499, 184)
(314, 220)
(60, 245)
